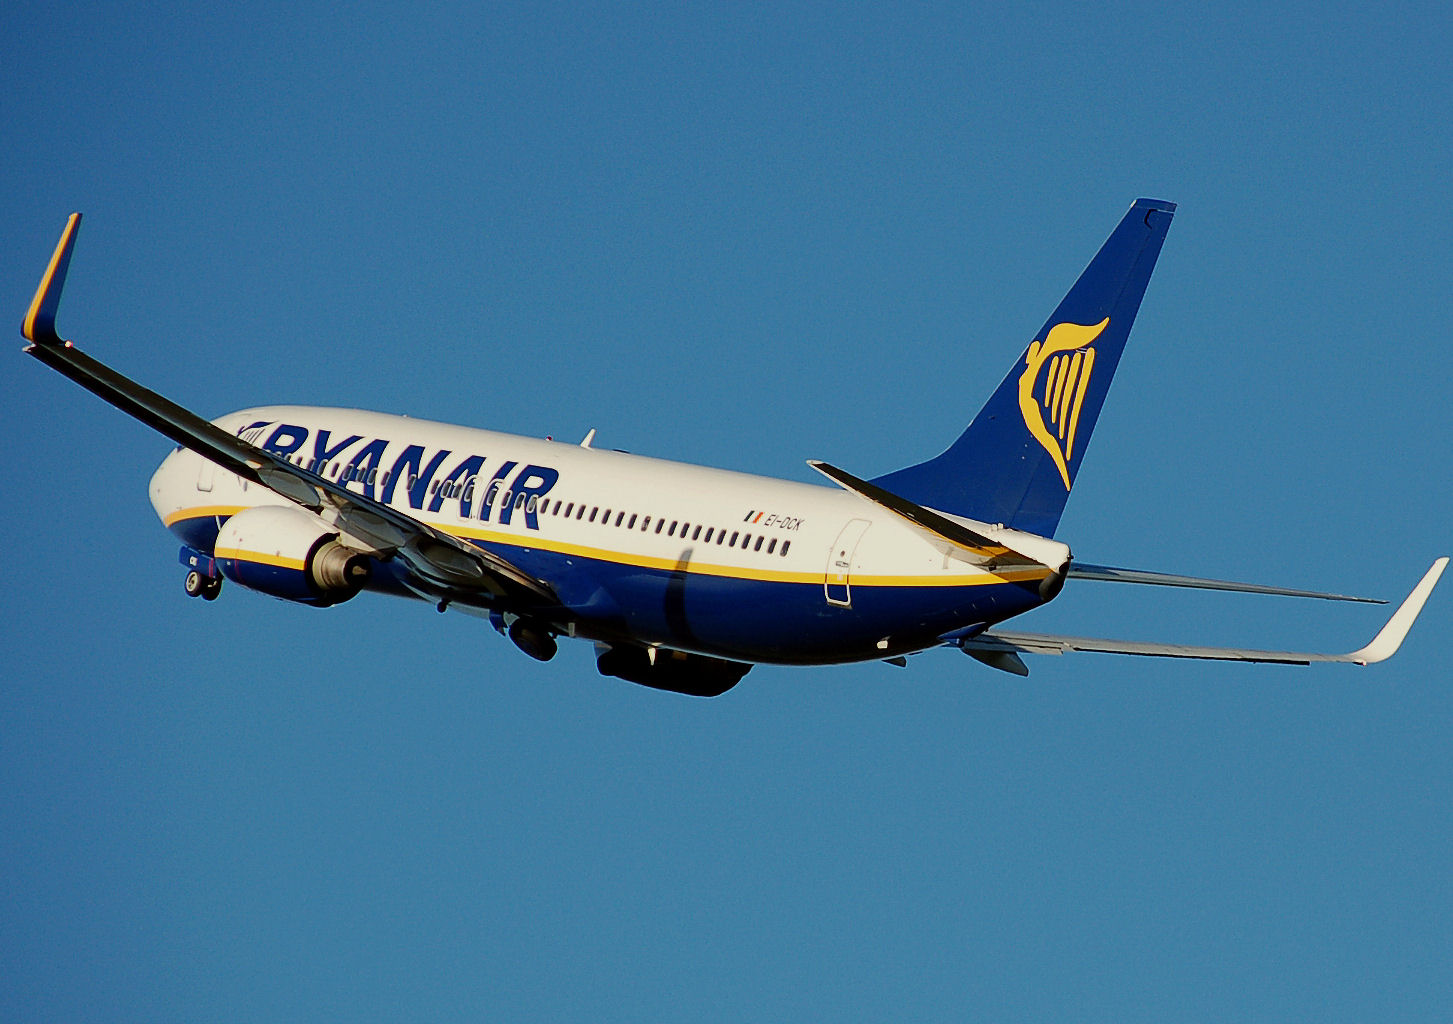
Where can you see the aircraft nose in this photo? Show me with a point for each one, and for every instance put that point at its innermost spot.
(164, 489)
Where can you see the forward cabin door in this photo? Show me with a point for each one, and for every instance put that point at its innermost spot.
(840, 561)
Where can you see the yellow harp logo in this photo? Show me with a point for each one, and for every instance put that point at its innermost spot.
(1053, 385)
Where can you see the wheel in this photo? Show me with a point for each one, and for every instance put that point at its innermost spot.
(196, 584)
(212, 588)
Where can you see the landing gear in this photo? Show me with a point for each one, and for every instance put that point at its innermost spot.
(205, 587)
(533, 639)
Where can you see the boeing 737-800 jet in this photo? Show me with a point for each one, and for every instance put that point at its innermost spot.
(682, 576)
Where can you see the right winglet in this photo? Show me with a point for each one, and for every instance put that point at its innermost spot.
(1390, 637)
(39, 323)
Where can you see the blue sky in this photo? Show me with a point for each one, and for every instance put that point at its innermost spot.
(744, 238)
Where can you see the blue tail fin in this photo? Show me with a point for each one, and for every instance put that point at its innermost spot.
(1017, 460)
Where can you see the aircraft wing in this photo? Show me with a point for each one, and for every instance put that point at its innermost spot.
(449, 567)
(1001, 648)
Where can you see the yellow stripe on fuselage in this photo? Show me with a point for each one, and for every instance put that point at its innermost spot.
(201, 512)
(685, 564)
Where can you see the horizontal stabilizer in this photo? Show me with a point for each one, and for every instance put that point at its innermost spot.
(1382, 647)
(1111, 574)
(984, 542)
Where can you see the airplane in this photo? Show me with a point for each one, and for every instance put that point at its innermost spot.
(682, 576)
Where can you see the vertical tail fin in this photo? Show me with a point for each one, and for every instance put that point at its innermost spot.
(1016, 462)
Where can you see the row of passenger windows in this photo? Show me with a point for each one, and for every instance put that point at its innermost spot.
(671, 528)
(571, 510)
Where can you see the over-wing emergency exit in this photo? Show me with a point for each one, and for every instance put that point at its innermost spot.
(682, 576)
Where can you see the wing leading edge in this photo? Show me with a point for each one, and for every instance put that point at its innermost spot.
(447, 565)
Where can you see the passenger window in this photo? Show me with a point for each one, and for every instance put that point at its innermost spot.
(645, 523)
(758, 545)
(556, 510)
(619, 517)
(785, 545)
(532, 504)
(520, 500)
(772, 545)
(593, 510)
(569, 509)
(632, 524)
(708, 535)
(733, 542)
(672, 532)
(696, 533)
(580, 512)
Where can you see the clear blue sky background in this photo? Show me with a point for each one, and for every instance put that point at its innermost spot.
(743, 237)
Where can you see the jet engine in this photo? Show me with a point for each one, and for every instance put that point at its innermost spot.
(696, 675)
(288, 552)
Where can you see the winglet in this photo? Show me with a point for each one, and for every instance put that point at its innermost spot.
(1390, 637)
(39, 323)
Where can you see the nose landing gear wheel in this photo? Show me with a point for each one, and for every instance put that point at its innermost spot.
(205, 587)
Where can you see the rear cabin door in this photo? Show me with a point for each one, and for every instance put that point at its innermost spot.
(840, 561)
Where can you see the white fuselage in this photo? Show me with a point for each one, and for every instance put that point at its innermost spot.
(657, 552)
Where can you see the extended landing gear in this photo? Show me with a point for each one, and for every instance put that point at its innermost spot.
(533, 639)
(205, 587)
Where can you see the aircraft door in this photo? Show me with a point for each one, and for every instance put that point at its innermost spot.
(206, 473)
(840, 561)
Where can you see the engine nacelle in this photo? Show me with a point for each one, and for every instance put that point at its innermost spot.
(288, 552)
(694, 674)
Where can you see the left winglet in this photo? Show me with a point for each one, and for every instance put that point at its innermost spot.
(39, 323)
(434, 555)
